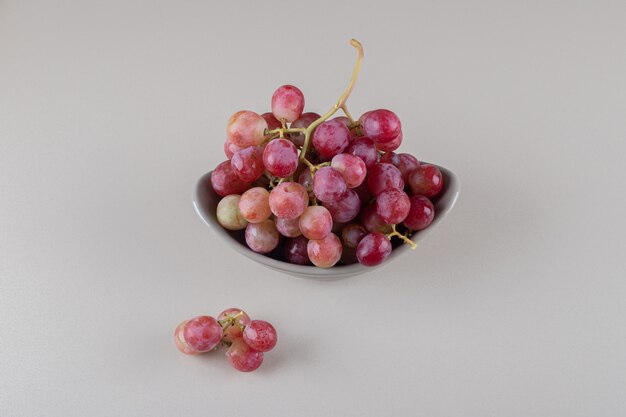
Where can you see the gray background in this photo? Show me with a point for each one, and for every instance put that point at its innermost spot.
(110, 110)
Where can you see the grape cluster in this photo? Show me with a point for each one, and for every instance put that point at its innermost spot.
(247, 339)
(311, 189)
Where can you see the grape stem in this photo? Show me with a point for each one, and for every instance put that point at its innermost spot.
(394, 232)
(341, 103)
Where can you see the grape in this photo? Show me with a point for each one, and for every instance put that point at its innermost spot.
(280, 158)
(296, 250)
(242, 357)
(384, 177)
(260, 335)
(348, 256)
(352, 235)
(351, 167)
(202, 333)
(224, 181)
(228, 214)
(248, 163)
(246, 128)
(181, 343)
(303, 121)
(254, 205)
(421, 213)
(262, 237)
(288, 227)
(372, 221)
(381, 126)
(287, 103)
(365, 149)
(426, 180)
(306, 180)
(345, 208)
(272, 122)
(288, 200)
(325, 252)
(393, 206)
(328, 184)
(363, 192)
(331, 138)
(316, 222)
(230, 148)
(233, 331)
(403, 161)
(373, 249)
(390, 146)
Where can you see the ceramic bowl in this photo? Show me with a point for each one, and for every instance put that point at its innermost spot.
(205, 202)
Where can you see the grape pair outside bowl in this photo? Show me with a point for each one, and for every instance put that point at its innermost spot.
(205, 201)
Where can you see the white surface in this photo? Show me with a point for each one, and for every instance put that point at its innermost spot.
(110, 110)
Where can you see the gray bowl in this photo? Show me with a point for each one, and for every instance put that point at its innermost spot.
(205, 202)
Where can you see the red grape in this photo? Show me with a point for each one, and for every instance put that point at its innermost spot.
(181, 343)
(392, 145)
(421, 213)
(287, 103)
(365, 149)
(230, 148)
(393, 206)
(272, 122)
(242, 357)
(364, 193)
(248, 163)
(352, 235)
(384, 177)
(316, 222)
(372, 221)
(306, 180)
(426, 180)
(254, 205)
(351, 167)
(280, 158)
(202, 333)
(260, 335)
(224, 181)
(288, 227)
(373, 249)
(345, 208)
(328, 184)
(233, 331)
(381, 125)
(403, 161)
(262, 237)
(288, 200)
(331, 138)
(303, 121)
(228, 214)
(246, 128)
(296, 250)
(325, 252)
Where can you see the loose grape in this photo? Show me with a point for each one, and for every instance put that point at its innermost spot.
(246, 128)
(316, 222)
(372, 221)
(224, 181)
(202, 333)
(242, 357)
(384, 177)
(345, 208)
(181, 343)
(352, 235)
(365, 149)
(248, 163)
(228, 214)
(280, 158)
(325, 252)
(232, 331)
(260, 335)
(381, 126)
(331, 138)
(262, 237)
(351, 167)
(296, 250)
(403, 161)
(303, 121)
(288, 200)
(421, 213)
(288, 227)
(393, 206)
(287, 103)
(426, 180)
(254, 205)
(328, 184)
(373, 249)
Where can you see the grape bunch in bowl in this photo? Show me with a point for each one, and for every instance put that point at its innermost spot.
(322, 190)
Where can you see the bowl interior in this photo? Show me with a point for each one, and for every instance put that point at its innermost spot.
(205, 201)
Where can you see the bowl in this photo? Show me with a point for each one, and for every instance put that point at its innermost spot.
(205, 201)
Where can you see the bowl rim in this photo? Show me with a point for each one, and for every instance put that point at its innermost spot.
(452, 185)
